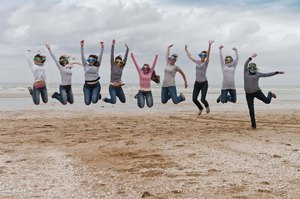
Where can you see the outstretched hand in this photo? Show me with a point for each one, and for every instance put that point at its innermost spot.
(185, 47)
(185, 85)
(113, 42)
(221, 46)
(254, 55)
(210, 42)
(170, 46)
(235, 49)
(82, 43)
(280, 72)
(101, 44)
(47, 46)
(126, 46)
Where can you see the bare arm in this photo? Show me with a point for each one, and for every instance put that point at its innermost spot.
(189, 54)
(168, 53)
(210, 42)
(29, 60)
(184, 78)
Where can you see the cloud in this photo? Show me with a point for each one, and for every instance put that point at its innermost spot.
(149, 27)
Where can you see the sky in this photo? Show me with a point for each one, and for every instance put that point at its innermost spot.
(269, 28)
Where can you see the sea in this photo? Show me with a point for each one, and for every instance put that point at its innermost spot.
(15, 97)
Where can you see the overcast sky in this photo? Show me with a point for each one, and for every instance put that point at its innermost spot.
(269, 28)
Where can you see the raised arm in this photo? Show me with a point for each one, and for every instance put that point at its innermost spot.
(210, 42)
(83, 60)
(135, 63)
(112, 53)
(53, 56)
(236, 56)
(101, 52)
(168, 53)
(189, 54)
(154, 63)
(221, 56)
(271, 74)
(126, 54)
(247, 62)
(184, 78)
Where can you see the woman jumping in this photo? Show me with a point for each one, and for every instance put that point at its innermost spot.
(168, 90)
(117, 66)
(146, 74)
(92, 87)
(39, 84)
(228, 68)
(251, 78)
(201, 83)
(65, 68)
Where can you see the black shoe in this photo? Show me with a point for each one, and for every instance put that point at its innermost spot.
(253, 126)
(218, 100)
(54, 94)
(100, 96)
(30, 90)
(136, 96)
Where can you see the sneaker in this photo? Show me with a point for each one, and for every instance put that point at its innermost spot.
(104, 99)
(274, 95)
(207, 109)
(30, 90)
(100, 96)
(200, 111)
(218, 100)
(136, 95)
(54, 94)
(182, 96)
(253, 126)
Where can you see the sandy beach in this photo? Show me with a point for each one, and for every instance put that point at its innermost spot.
(82, 154)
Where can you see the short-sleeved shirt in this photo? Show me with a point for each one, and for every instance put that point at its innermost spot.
(170, 72)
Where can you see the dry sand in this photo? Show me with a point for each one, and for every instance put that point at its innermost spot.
(58, 154)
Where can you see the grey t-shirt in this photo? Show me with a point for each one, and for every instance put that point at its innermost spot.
(170, 72)
(251, 81)
(201, 68)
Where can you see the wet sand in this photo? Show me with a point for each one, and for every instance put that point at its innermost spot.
(75, 154)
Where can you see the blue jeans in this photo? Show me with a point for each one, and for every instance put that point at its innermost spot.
(114, 93)
(91, 93)
(203, 87)
(224, 97)
(142, 96)
(36, 92)
(65, 94)
(168, 93)
(250, 102)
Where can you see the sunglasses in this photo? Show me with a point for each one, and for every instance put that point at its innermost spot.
(41, 59)
(118, 61)
(91, 60)
(202, 55)
(228, 59)
(146, 68)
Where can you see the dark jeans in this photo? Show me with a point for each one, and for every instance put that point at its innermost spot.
(142, 96)
(250, 101)
(224, 97)
(114, 93)
(168, 93)
(36, 92)
(91, 93)
(203, 87)
(65, 94)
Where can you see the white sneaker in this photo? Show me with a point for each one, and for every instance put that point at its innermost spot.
(207, 110)
(182, 96)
